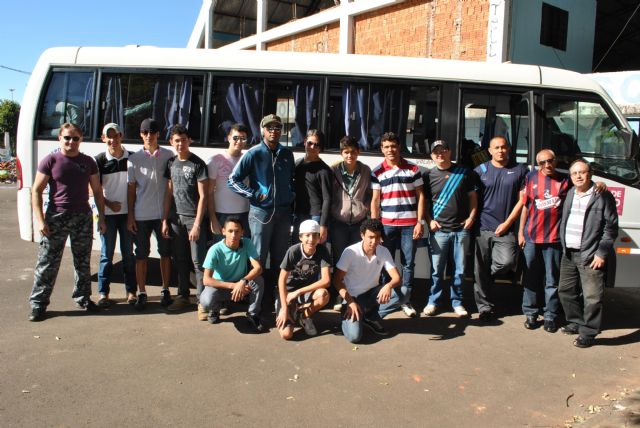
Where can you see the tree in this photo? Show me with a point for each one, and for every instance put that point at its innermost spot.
(9, 113)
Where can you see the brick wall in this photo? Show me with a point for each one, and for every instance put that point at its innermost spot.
(325, 39)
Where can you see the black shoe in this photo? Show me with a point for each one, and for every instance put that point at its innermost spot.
(141, 302)
(224, 310)
(88, 306)
(213, 317)
(486, 316)
(166, 299)
(375, 326)
(550, 326)
(583, 342)
(569, 329)
(37, 314)
(255, 323)
(531, 322)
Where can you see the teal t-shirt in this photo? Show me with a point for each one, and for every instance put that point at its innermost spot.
(230, 265)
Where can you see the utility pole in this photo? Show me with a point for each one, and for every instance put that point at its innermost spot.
(11, 90)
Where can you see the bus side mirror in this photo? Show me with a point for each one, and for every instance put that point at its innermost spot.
(630, 140)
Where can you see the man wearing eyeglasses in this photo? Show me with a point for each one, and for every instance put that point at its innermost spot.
(269, 166)
(222, 201)
(145, 199)
(69, 174)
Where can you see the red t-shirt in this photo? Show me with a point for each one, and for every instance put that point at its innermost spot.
(543, 198)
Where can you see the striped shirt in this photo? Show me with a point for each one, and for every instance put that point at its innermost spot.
(575, 222)
(543, 198)
(397, 185)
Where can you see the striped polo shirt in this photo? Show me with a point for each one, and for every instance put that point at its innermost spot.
(543, 198)
(575, 222)
(397, 185)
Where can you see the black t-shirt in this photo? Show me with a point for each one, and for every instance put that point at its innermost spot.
(447, 194)
(304, 270)
(313, 189)
(185, 176)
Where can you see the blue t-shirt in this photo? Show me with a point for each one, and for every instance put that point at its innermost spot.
(499, 192)
(230, 265)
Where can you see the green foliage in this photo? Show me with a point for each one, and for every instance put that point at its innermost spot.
(9, 113)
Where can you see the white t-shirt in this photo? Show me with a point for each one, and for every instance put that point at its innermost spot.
(227, 202)
(363, 274)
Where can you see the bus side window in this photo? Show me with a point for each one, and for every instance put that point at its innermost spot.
(68, 98)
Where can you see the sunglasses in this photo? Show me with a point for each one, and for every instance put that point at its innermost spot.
(274, 128)
(241, 139)
(546, 161)
(69, 138)
(147, 132)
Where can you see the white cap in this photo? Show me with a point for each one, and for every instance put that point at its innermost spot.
(309, 226)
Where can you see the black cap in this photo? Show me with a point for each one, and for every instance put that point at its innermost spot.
(149, 125)
(439, 143)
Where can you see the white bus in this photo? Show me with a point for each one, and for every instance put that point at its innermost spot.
(420, 99)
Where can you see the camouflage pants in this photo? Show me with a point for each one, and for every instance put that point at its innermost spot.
(79, 229)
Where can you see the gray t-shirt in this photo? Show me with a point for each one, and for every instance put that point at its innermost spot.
(185, 176)
(146, 171)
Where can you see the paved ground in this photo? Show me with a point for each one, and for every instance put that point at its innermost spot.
(122, 368)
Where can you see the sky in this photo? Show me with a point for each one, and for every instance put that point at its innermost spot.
(29, 27)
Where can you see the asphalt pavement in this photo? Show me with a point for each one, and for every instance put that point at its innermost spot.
(124, 368)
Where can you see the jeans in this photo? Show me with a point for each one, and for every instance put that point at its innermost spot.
(368, 302)
(186, 252)
(342, 235)
(581, 290)
(212, 298)
(494, 255)
(116, 225)
(244, 220)
(400, 237)
(270, 234)
(542, 272)
(441, 245)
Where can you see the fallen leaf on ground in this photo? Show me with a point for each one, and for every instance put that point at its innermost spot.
(355, 348)
(36, 337)
(594, 408)
(25, 391)
(57, 338)
(384, 383)
(606, 396)
(290, 397)
(619, 406)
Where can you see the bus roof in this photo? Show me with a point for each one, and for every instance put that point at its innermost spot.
(296, 62)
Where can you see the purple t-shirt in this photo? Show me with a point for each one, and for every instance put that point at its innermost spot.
(68, 181)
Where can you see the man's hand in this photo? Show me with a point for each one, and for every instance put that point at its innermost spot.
(597, 263)
(353, 312)
(434, 226)
(114, 206)
(384, 295)
(418, 230)
(521, 240)
(468, 223)
(291, 297)
(44, 229)
(599, 187)
(194, 233)
(239, 291)
(102, 226)
(283, 317)
(324, 234)
(502, 229)
(215, 226)
(165, 229)
(131, 224)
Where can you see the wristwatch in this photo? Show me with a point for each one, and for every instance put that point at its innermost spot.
(423, 222)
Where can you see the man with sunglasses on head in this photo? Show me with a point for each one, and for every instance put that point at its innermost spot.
(145, 199)
(69, 174)
(269, 166)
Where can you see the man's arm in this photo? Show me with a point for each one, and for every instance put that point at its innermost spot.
(194, 233)
(385, 292)
(211, 204)
(354, 312)
(609, 232)
(473, 210)
(523, 221)
(418, 229)
(39, 184)
(323, 282)
(515, 212)
(375, 203)
(166, 208)
(325, 184)
(237, 176)
(131, 203)
(98, 197)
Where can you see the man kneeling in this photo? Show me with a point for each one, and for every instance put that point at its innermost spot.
(226, 277)
(302, 285)
(357, 279)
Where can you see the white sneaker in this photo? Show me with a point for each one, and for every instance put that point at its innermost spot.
(308, 326)
(460, 311)
(429, 310)
(408, 310)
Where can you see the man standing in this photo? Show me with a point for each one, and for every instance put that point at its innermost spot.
(357, 279)
(500, 182)
(222, 201)
(145, 199)
(544, 192)
(398, 201)
(269, 167)
(112, 166)
(588, 230)
(69, 174)
(452, 203)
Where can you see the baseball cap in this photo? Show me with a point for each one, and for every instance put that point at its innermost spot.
(150, 125)
(309, 226)
(113, 126)
(439, 143)
(269, 119)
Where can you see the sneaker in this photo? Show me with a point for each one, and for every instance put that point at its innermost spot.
(429, 310)
(132, 299)
(308, 326)
(213, 317)
(550, 326)
(337, 306)
(255, 323)
(531, 322)
(166, 299)
(141, 302)
(202, 314)
(460, 311)
(104, 301)
(375, 326)
(179, 303)
(408, 310)
(224, 310)
(88, 305)
(37, 314)
(570, 329)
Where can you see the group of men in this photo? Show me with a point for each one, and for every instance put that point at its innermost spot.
(566, 231)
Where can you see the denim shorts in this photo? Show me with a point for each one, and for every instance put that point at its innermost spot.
(141, 239)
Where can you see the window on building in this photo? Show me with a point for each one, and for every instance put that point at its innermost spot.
(554, 26)
(68, 98)
(366, 111)
(171, 99)
(247, 100)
